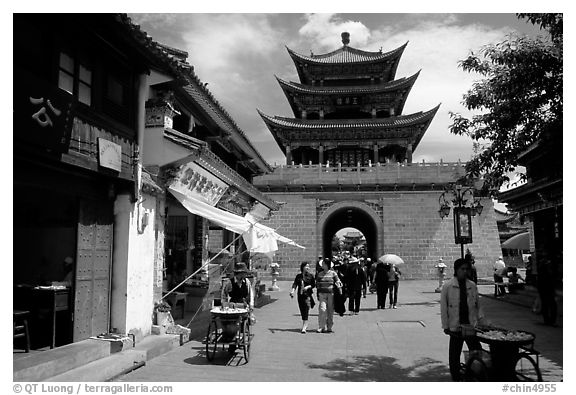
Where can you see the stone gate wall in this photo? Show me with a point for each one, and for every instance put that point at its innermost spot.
(411, 227)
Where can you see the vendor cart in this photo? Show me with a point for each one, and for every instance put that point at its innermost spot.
(229, 327)
(509, 356)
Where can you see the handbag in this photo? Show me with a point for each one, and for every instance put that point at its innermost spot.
(372, 287)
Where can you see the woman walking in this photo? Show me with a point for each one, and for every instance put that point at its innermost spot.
(304, 283)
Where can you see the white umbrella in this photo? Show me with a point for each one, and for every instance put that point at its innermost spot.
(391, 259)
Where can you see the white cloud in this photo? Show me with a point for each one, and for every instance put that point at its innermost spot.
(322, 31)
(238, 54)
(219, 39)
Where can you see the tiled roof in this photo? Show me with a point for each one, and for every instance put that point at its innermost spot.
(149, 185)
(401, 120)
(348, 54)
(504, 217)
(329, 90)
(173, 58)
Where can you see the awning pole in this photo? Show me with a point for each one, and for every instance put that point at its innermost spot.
(200, 268)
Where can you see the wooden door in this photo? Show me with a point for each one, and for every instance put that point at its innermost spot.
(93, 269)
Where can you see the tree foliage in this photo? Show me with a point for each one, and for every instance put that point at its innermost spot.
(517, 102)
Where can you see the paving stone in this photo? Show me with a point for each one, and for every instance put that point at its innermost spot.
(361, 349)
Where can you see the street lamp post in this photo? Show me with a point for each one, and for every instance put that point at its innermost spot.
(465, 206)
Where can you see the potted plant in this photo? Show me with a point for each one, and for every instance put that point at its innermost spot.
(162, 311)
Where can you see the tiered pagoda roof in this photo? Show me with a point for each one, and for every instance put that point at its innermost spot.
(411, 127)
(331, 65)
(348, 102)
(385, 96)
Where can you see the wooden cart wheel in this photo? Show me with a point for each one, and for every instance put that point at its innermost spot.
(527, 369)
(211, 340)
(246, 339)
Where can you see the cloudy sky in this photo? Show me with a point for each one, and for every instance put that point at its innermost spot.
(239, 54)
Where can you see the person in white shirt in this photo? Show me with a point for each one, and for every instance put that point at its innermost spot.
(499, 273)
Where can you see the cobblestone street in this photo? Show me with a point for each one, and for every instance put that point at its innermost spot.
(403, 345)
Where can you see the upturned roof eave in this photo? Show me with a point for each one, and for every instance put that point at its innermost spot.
(359, 123)
(377, 56)
(355, 89)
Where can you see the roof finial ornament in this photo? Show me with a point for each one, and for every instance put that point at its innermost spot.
(345, 38)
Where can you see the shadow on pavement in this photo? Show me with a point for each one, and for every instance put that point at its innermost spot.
(221, 357)
(274, 330)
(378, 368)
(428, 304)
(265, 302)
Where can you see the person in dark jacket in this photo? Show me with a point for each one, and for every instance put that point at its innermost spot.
(546, 289)
(381, 280)
(472, 273)
(239, 288)
(355, 284)
(304, 284)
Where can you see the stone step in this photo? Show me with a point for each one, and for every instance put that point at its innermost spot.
(107, 368)
(104, 369)
(39, 366)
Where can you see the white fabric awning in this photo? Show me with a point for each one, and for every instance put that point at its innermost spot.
(258, 237)
(227, 220)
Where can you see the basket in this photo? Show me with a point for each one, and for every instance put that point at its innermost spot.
(523, 338)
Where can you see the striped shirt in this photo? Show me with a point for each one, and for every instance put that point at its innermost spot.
(325, 281)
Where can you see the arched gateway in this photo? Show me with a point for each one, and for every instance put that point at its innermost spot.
(350, 214)
(349, 164)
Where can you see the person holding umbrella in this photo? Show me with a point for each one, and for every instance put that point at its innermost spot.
(391, 261)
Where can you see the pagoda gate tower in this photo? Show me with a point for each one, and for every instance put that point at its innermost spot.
(349, 163)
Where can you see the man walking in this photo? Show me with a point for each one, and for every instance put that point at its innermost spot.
(327, 283)
(355, 283)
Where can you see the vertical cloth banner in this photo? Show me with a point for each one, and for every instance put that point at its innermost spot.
(261, 238)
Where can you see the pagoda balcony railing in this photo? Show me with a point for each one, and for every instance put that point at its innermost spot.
(379, 173)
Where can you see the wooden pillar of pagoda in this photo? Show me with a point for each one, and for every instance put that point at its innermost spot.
(409, 153)
(288, 155)
(375, 153)
(321, 154)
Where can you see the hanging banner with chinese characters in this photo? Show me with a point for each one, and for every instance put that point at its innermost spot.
(42, 113)
(194, 181)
